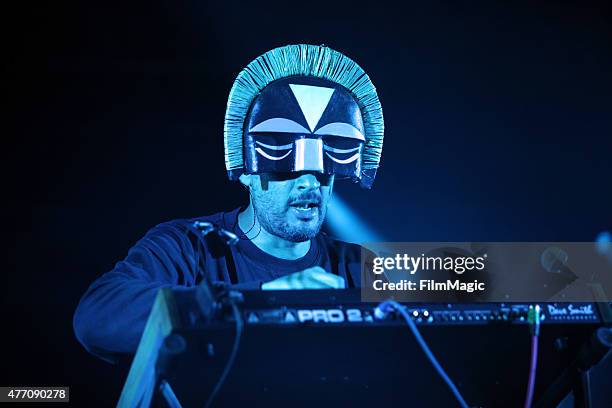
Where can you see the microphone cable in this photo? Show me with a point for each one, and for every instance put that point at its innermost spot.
(384, 308)
(533, 317)
(232, 356)
(203, 228)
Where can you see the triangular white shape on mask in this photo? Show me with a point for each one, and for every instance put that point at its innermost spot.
(312, 100)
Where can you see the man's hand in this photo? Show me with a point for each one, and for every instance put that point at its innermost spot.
(311, 278)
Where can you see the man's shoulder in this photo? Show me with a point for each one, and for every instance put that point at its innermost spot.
(222, 219)
(342, 249)
(346, 250)
(179, 228)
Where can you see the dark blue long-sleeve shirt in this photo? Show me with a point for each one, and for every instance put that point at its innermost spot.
(111, 315)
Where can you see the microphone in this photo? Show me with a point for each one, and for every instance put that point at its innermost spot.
(554, 260)
(229, 238)
(213, 296)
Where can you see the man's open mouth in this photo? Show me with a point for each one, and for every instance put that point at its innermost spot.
(304, 205)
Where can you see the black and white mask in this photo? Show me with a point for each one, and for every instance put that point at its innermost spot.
(304, 124)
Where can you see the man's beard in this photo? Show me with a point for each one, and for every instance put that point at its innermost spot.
(273, 218)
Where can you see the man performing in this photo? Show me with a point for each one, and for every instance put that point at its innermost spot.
(298, 118)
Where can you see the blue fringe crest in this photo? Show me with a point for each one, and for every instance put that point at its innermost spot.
(302, 60)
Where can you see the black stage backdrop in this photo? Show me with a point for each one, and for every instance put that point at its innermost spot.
(499, 128)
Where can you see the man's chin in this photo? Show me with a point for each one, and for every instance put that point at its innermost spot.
(300, 236)
(300, 231)
(294, 227)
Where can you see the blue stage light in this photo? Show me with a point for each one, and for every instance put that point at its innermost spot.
(345, 224)
(604, 243)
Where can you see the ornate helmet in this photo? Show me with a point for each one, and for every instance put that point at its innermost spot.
(304, 108)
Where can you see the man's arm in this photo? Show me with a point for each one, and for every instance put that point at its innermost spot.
(111, 316)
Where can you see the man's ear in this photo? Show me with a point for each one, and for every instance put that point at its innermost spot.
(254, 181)
(249, 180)
(246, 180)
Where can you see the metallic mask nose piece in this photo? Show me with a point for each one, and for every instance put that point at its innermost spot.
(309, 155)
